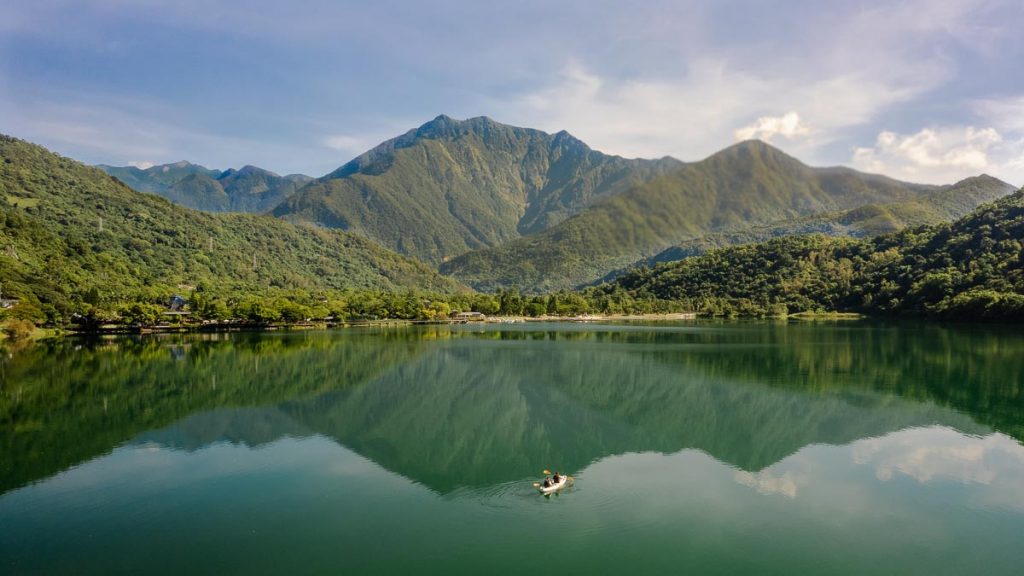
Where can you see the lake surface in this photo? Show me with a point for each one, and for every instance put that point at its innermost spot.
(762, 448)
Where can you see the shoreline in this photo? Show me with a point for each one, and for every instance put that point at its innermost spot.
(117, 329)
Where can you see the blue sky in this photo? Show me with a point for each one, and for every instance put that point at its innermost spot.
(924, 90)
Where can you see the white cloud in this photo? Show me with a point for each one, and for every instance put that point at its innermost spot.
(662, 78)
(839, 72)
(141, 164)
(765, 128)
(350, 144)
(767, 482)
(696, 115)
(942, 155)
(1006, 113)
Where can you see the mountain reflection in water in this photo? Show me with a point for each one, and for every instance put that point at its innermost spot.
(707, 448)
(451, 406)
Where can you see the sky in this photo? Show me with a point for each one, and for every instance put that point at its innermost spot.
(922, 90)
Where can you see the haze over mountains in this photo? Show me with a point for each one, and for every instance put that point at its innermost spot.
(497, 206)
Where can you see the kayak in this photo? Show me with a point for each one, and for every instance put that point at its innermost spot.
(555, 487)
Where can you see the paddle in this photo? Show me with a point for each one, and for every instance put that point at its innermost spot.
(548, 472)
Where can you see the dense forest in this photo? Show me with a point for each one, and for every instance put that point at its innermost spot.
(76, 243)
(969, 269)
(943, 205)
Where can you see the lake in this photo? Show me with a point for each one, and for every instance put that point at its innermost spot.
(708, 448)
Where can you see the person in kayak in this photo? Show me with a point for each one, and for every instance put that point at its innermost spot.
(557, 478)
(547, 483)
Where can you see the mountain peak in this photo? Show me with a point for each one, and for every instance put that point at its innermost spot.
(754, 151)
(753, 145)
(982, 179)
(566, 141)
(441, 127)
(445, 126)
(440, 122)
(565, 136)
(250, 170)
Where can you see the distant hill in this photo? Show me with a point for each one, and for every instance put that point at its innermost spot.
(970, 269)
(249, 189)
(943, 205)
(748, 185)
(67, 230)
(452, 186)
(156, 179)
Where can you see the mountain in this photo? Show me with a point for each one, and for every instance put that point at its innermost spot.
(944, 205)
(67, 229)
(970, 269)
(452, 186)
(156, 179)
(748, 184)
(249, 189)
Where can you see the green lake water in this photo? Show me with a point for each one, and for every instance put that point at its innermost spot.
(701, 448)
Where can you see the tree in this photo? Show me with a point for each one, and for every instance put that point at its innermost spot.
(140, 314)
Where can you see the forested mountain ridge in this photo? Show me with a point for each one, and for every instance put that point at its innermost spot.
(970, 269)
(451, 186)
(70, 234)
(497, 206)
(748, 184)
(249, 189)
(943, 205)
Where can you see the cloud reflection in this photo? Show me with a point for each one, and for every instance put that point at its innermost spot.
(766, 482)
(939, 453)
(990, 467)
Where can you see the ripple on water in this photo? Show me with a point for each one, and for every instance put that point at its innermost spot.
(509, 495)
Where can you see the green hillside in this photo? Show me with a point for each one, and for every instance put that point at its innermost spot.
(249, 189)
(970, 269)
(943, 205)
(68, 232)
(747, 184)
(452, 186)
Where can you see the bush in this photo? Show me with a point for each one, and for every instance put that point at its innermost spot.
(18, 329)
